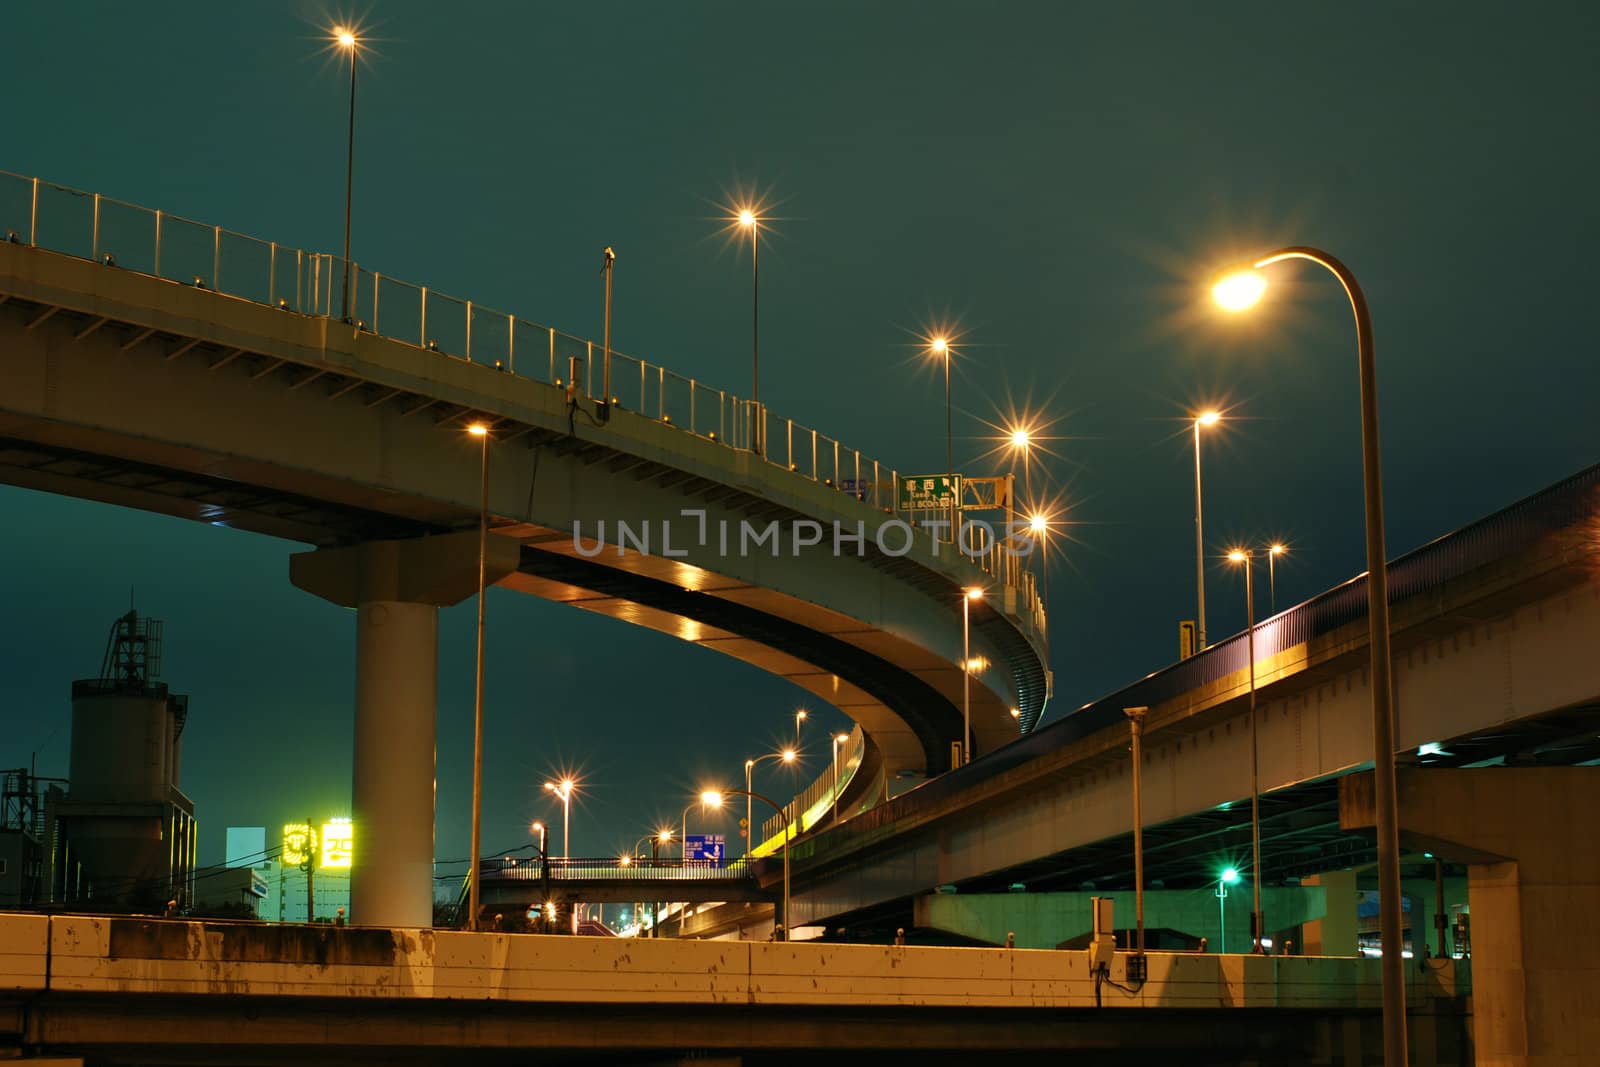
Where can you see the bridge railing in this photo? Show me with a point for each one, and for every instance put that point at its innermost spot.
(181, 250)
(612, 869)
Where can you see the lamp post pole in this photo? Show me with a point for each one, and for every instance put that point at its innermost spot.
(605, 388)
(480, 431)
(967, 597)
(1208, 418)
(1273, 552)
(1136, 727)
(1247, 557)
(564, 791)
(1390, 917)
(348, 41)
(775, 806)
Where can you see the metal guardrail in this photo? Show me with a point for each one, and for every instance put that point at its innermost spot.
(134, 238)
(612, 869)
(815, 801)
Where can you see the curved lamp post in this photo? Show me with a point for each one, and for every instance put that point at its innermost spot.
(1236, 292)
(788, 755)
(775, 806)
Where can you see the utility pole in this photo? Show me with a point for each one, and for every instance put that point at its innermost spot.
(309, 865)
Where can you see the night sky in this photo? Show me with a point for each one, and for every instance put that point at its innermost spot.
(1061, 179)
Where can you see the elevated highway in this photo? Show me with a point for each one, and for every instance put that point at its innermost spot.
(1495, 628)
(153, 363)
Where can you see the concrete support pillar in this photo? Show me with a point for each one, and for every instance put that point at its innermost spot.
(1533, 877)
(397, 588)
(392, 784)
(1335, 934)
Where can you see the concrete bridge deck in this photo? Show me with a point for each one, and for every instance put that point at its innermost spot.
(123, 990)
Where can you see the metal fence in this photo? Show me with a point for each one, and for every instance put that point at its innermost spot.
(130, 237)
(613, 869)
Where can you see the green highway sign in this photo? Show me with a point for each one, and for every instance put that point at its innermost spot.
(929, 492)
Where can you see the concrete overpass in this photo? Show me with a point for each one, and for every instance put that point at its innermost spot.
(120, 990)
(154, 363)
(1493, 631)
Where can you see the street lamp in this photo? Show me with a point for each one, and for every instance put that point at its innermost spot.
(1247, 557)
(1274, 550)
(1236, 292)
(661, 837)
(749, 220)
(345, 37)
(564, 789)
(967, 597)
(1229, 876)
(941, 349)
(773, 804)
(838, 739)
(708, 799)
(1205, 418)
(538, 828)
(1039, 526)
(788, 755)
(799, 717)
(481, 432)
(711, 798)
(1022, 441)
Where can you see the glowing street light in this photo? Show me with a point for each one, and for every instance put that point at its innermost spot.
(1239, 291)
(788, 755)
(1205, 418)
(1235, 292)
(345, 37)
(1247, 557)
(1226, 877)
(748, 219)
(538, 828)
(1274, 550)
(710, 798)
(481, 432)
(941, 348)
(564, 789)
(799, 717)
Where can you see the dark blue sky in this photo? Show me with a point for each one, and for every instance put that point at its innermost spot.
(1062, 178)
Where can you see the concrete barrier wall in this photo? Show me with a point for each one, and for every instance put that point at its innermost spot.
(104, 955)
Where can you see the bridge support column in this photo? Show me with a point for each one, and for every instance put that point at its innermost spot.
(1335, 934)
(1533, 876)
(397, 588)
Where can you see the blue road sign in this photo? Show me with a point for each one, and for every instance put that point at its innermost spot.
(707, 849)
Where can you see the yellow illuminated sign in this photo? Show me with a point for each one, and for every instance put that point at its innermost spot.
(335, 848)
(338, 842)
(299, 841)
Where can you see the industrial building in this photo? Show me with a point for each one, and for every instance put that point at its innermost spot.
(123, 834)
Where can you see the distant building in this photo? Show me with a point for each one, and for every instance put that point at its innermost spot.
(123, 835)
(21, 839)
(247, 847)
